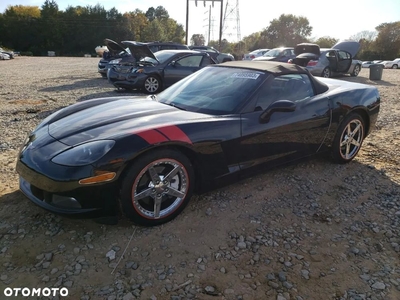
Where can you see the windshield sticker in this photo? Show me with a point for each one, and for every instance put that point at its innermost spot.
(247, 75)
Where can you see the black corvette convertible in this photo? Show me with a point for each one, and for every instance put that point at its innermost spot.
(223, 122)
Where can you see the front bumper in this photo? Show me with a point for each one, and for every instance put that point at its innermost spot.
(67, 197)
(126, 80)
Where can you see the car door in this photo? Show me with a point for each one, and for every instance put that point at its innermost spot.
(344, 61)
(182, 67)
(287, 135)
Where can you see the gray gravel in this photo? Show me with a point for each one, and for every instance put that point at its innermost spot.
(314, 230)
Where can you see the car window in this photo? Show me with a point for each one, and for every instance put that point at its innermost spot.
(343, 55)
(294, 87)
(190, 61)
(206, 61)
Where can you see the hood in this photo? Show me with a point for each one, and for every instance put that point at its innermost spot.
(350, 46)
(114, 46)
(108, 118)
(307, 48)
(139, 50)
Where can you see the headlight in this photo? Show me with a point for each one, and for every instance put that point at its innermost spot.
(115, 61)
(135, 70)
(84, 154)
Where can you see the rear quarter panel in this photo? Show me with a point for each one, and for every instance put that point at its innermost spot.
(346, 97)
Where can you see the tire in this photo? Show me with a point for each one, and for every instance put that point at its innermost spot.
(348, 138)
(139, 191)
(326, 73)
(356, 71)
(395, 66)
(152, 85)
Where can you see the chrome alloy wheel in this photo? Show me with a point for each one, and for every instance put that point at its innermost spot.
(356, 70)
(351, 139)
(160, 188)
(152, 85)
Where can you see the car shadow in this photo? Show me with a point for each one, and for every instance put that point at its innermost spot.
(15, 203)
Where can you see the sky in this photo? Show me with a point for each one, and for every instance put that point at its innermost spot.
(339, 20)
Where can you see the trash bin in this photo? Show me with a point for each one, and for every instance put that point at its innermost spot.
(375, 71)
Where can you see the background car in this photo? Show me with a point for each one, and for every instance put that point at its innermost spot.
(366, 64)
(282, 54)
(120, 53)
(329, 62)
(394, 64)
(148, 155)
(4, 56)
(254, 54)
(214, 53)
(6, 52)
(156, 71)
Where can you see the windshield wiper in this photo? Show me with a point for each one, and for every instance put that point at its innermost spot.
(176, 106)
(153, 97)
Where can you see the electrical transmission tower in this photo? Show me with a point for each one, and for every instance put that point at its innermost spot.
(231, 22)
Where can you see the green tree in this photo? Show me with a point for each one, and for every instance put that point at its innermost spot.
(197, 40)
(326, 41)
(387, 42)
(287, 30)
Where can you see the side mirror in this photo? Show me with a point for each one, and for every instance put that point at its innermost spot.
(278, 106)
(172, 63)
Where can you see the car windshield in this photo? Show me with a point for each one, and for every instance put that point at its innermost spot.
(162, 56)
(273, 53)
(213, 90)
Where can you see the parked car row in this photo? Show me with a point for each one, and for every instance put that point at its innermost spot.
(319, 61)
(387, 64)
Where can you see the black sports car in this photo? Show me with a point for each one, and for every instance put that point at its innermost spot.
(156, 71)
(151, 153)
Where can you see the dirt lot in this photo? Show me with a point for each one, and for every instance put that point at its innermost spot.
(314, 230)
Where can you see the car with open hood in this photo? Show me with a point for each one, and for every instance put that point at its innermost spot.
(323, 62)
(147, 155)
(282, 54)
(118, 54)
(154, 72)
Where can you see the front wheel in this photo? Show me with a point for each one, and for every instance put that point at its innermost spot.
(326, 73)
(395, 66)
(348, 139)
(356, 71)
(152, 85)
(157, 187)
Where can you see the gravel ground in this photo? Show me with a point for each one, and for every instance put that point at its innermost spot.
(314, 230)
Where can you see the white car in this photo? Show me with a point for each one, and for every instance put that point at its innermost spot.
(4, 56)
(366, 64)
(394, 64)
(254, 54)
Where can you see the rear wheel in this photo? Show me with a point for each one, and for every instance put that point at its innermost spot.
(348, 139)
(157, 187)
(152, 85)
(395, 66)
(356, 71)
(326, 73)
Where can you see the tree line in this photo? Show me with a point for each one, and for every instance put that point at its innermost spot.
(78, 30)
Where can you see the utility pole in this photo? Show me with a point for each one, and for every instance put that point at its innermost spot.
(220, 19)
